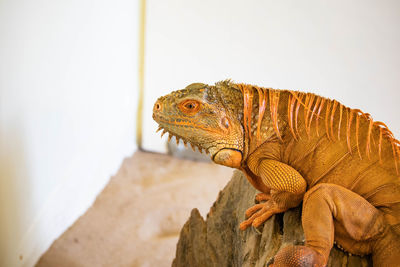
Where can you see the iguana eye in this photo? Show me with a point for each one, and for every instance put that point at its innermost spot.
(189, 106)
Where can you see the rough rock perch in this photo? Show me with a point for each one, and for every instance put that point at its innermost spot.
(218, 241)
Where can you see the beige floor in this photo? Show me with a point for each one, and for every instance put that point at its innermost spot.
(136, 220)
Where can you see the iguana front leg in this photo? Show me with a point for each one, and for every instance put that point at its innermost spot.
(287, 188)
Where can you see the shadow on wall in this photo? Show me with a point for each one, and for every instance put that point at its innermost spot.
(15, 195)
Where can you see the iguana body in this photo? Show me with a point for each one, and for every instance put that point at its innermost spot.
(296, 147)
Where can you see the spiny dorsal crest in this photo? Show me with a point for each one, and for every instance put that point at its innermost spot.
(312, 107)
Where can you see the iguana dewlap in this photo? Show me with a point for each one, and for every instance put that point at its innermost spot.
(296, 147)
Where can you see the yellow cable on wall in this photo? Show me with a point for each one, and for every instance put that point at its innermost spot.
(139, 118)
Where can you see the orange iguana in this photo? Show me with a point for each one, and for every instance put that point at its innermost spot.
(296, 147)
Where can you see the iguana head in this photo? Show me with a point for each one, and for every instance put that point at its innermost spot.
(208, 117)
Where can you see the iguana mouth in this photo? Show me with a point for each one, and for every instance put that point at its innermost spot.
(210, 149)
(183, 123)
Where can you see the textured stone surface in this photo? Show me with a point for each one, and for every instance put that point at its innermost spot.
(217, 241)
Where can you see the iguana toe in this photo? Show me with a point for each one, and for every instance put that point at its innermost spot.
(260, 197)
(252, 210)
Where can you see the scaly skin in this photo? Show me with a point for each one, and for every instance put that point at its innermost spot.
(296, 147)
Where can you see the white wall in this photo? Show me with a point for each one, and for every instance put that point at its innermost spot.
(348, 50)
(67, 113)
